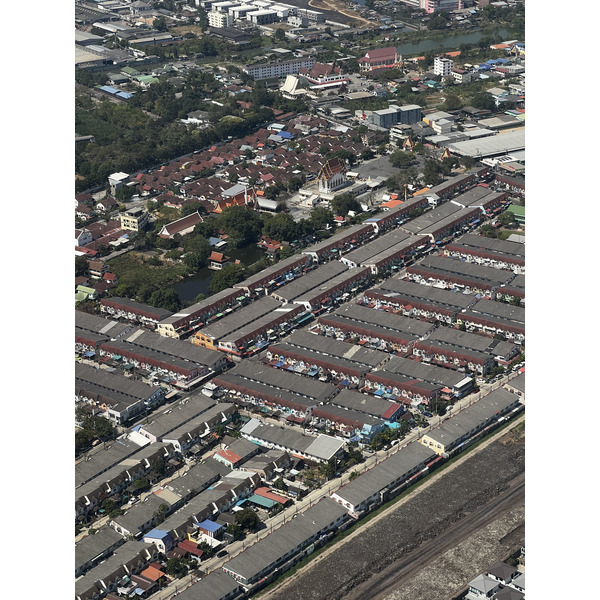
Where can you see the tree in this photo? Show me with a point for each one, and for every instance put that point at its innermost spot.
(452, 102)
(344, 203)
(141, 485)
(320, 217)
(483, 100)
(432, 172)
(247, 519)
(160, 24)
(401, 159)
(176, 567)
(166, 298)
(235, 530)
(280, 35)
(81, 265)
(227, 277)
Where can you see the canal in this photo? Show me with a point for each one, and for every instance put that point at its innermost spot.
(187, 289)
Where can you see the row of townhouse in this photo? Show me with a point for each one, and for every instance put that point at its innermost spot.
(89, 496)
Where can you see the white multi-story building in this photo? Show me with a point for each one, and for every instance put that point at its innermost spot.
(442, 66)
(219, 19)
(280, 69)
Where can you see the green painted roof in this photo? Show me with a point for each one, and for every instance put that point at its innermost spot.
(517, 210)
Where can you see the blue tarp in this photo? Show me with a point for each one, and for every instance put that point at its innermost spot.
(379, 392)
(89, 354)
(280, 364)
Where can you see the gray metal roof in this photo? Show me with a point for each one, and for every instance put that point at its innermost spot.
(385, 474)
(491, 146)
(283, 380)
(398, 323)
(471, 341)
(256, 559)
(171, 347)
(361, 255)
(113, 382)
(318, 277)
(431, 218)
(215, 586)
(330, 347)
(472, 417)
(93, 546)
(108, 327)
(501, 310)
(480, 242)
(370, 405)
(240, 318)
(424, 372)
(172, 417)
(426, 293)
(455, 267)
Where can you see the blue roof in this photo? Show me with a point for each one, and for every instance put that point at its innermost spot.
(109, 89)
(160, 534)
(125, 95)
(286, 134)
(210, 525)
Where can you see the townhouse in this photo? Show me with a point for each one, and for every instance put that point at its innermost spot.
(340, 243)
(417, 300)
(375, 406)
(315, 449)
(491, 252)
(130, 310)
(385, 480)
(120, 397)
(327, 347)
(400, 388)
(391, 251)
(450, 273)
(456, 432)
(188, 320)
(307, 362)
(496, 318)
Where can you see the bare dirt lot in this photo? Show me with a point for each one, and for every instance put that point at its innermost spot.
(391, 555)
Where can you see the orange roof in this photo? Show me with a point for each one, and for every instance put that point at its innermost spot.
(421, 191)
(152, 573)
(453, 54)
(392, 203)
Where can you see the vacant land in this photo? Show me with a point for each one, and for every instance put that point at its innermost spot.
(480, 492)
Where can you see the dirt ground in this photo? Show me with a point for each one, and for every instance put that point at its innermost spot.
(342, 8)
(409, 535)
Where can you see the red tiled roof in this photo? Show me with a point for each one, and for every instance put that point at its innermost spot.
(152, 573)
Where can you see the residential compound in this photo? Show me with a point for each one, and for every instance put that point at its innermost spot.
(356, 335)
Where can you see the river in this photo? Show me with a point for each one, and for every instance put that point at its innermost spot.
(187, 289)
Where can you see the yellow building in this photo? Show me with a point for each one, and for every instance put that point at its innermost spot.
(134, 219)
